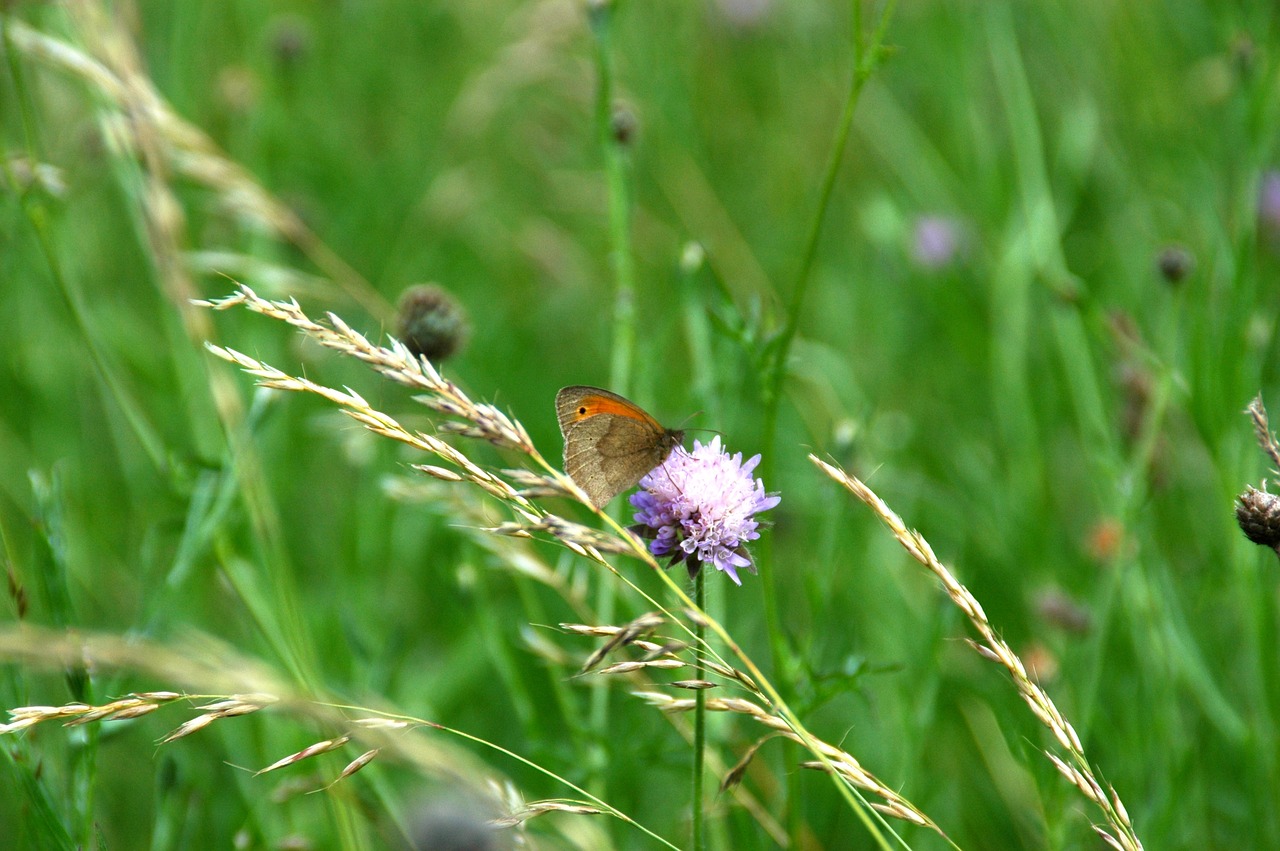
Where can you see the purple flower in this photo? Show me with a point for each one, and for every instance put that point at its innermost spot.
(1269, 205)
(937, 241)
(744, 13)
(700, 507)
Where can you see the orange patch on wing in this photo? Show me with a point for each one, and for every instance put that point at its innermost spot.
(594, 405)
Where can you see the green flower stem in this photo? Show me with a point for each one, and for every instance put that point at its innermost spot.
(866, 58)
(618, 186)
(699, 722)
(869, 817)
(618, 190)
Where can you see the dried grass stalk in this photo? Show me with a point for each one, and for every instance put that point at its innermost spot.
(538, 808)
(1076, 766)
(473, 420)
(485, 422)
(74, 714)
(837, 761)
(306, 753)
(139, 122)
(354, 766)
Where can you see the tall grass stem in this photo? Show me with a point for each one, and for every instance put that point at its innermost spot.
(699, 723)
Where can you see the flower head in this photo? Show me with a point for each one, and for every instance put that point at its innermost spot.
(1269, 207)
(431, 322)
(1175, 262)
(699, 507)
(937, 242)
(1258, 514)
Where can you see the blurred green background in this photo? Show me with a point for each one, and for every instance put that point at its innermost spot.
(1043, 294)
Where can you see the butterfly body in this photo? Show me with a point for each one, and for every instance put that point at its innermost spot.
(609, 442)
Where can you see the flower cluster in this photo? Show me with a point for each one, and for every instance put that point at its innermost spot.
(699, 507)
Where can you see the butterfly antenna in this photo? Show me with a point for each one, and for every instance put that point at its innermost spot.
(667, 473)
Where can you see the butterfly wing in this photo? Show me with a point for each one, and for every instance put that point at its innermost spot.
(609, 442)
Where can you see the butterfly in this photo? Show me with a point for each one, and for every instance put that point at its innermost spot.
(609, 442)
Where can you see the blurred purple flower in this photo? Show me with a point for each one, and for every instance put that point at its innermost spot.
(744, 13)
(1269, 206)
(700, 507)
(937, 241)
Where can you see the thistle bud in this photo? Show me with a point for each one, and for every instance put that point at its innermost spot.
(623, 125)
(290, 39)
(1175, 263)
(1258, 514)
(431, 322)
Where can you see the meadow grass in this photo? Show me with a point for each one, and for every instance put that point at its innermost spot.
(998, 272)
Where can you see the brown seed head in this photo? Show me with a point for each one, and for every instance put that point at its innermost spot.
(1258, 514)
(1175, 263)
(290, 39)
(623, 124)
(431, 322)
